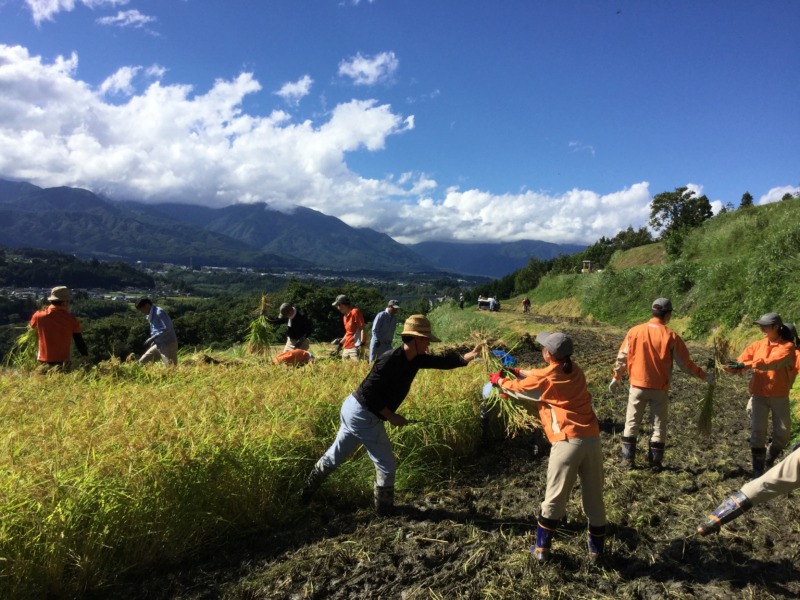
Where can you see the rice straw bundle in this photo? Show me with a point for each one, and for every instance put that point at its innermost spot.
(516, 419)
(721, 352)
(261, 334)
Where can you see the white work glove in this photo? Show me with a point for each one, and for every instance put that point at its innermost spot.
(613, 386)
(358, 343)
(710, 379)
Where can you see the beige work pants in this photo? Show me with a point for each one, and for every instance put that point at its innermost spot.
(167, 353)
(759, 422)
(300, 345)
(638, 400)
(570, 459)
(780, 479)
(351, 354)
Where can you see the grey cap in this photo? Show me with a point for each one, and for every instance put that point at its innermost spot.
(341, 299)
(664, 304)
(285, 309)
(393, 304)
(769, 319)
(558, 344)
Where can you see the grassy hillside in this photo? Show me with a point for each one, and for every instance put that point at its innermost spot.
(736, 267)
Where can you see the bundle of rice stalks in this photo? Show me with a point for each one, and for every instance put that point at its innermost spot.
(24, 351)
(515, 417)
(722, 349)
(261, 333)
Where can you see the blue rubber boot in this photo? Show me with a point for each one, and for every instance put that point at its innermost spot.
(734, 506)
(597, 541)
(545, 531)
(759, 461)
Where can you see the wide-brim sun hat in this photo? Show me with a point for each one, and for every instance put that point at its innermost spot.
(418, 326)
(558, 344)
(59, 294)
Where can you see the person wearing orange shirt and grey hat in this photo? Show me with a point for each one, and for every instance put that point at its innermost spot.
(647, 354)
(772, 362)
(56, 328)
(565, 410)
(353, 320)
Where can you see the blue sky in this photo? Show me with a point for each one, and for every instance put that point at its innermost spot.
(448, 120)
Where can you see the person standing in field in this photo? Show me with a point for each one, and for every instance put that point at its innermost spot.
(163, 342)
(56, 328)
(647, 354)
(461, 301)
(299, 325)
(566, 413)
(353, 320)
(780, 480)
(771, 361)
(383, 328)
(526, 304)
(376, 401)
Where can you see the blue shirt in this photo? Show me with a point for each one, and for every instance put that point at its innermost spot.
(161, 330)
(382, 333)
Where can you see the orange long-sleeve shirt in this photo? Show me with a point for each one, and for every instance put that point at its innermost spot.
(772, 364)
(647, 354)
(565, 407)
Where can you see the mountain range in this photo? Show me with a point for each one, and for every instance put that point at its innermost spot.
(243, 235)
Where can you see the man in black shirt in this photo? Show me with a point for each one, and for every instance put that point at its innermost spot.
(300, 327)
(376, 400)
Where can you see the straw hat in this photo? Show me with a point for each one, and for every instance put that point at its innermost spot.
(418, 326)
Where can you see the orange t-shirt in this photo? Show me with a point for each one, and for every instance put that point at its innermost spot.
(353, 321)
(292, 357)
(565, 407)
(54, 326)
(647, 353)
(772, 363)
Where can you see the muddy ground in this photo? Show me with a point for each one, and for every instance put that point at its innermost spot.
(468, 536)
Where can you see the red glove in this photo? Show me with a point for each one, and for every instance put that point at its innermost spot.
(494, 378)
(514, 371)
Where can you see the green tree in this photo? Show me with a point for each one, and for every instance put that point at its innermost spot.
(746, 201)
(787, 196)
(673, 211)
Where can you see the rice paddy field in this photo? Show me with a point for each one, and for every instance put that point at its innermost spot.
(132, 483)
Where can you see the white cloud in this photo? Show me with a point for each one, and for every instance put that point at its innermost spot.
(578, 146)
(364, 70)
(44, 10)
(127, 18)
(171, 142)
(776, 194)
(120, 82)
(295, 91)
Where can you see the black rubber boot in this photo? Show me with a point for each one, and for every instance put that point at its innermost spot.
(759, 461)
(734, 506)
(545, 530)
(597, 542)
(315, 479)
(773, 453)
(655, 456)
(629, 452)
(384, 500)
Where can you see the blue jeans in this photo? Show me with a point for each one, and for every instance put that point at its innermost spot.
(360, 426)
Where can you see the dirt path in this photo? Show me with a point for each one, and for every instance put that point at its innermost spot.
(469, 537)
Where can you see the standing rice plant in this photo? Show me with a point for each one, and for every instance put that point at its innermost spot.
(24, 351)
(261, 334)
(722, 347)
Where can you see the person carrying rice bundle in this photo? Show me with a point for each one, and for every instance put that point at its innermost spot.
(571, 426)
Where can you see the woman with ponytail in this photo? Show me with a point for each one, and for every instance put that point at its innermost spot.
(565, 409)
(772, 363)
